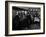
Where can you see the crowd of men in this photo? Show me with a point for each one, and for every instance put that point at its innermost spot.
(24, 19)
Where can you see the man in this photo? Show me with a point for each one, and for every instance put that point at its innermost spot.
(29, 19)
(15, 22)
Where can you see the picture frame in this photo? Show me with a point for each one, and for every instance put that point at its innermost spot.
(12, 7)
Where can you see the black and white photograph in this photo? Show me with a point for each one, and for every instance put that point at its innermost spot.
(24, 18)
